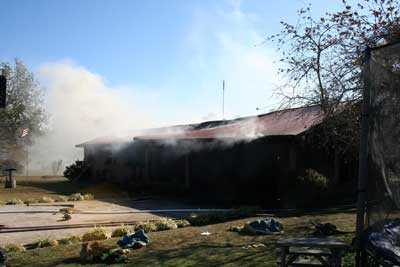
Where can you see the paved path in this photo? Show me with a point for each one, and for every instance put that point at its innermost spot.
(93, 211)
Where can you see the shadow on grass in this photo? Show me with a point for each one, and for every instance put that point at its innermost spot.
(196, 255)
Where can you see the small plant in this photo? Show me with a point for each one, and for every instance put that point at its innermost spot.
(94, 251)
(147, 226)
(98, 233)
(46, 200)
(70, 240)
(44, 243)
(31, 201)
(14, 248)
(76, 170)
(121, 231)
(14, 201)
(67, 210)
(182, 223)
(166, 224)
(66, 217)
(88, 196)
(61, 199)
(76, 197)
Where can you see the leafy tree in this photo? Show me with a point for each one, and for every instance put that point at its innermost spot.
(321, 59)
(24, 109)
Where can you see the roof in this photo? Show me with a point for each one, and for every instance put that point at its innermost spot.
(278, 123)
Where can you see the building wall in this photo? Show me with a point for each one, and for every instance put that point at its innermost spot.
(234, 172)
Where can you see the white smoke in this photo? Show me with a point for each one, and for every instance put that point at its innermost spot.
(81, 107)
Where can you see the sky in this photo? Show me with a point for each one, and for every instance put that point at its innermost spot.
(127, 64)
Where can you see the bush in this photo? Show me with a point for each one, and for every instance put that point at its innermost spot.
(182, 223)
(166, 224)
(76, 197)
(88, 196)
(44, 243)
(31, 201)
(97, 233)
(61, 199)
(14, 248)
(308, 189)
(14, 201)
(94, 251)
(313, 179)
(67, 210)
(121, 231)
(70, 240)
(147, 226)
(46, 200)
(76, 170)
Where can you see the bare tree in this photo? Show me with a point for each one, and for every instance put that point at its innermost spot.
(321, 59)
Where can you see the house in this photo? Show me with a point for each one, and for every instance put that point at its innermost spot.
(250, 159)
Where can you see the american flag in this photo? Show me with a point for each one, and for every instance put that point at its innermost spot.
(24, 132)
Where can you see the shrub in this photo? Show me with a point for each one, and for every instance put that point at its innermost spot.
(76, 170)
(67, 210)
(166, 224)
(14, 201)
(70, 240)
(46, 200)
(121, 231)
(88, 196)
(314, 179)
(14, 248)
(61, 199)
(307, 189)
(44, 243)
(147, 226)
(97, 233)
(76, 197)
(94, 251)
(31, 201)
(182, 223)
(66, 217)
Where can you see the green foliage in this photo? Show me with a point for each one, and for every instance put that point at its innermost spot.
(76, 170)
(313, 179)
(308, 189)
(25, 109)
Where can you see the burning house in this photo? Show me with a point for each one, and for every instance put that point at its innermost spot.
(249, 159)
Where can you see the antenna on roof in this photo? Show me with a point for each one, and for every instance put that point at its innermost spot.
(223, 99)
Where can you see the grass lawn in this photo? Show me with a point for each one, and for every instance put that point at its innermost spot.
(32, 187)
(186, 247)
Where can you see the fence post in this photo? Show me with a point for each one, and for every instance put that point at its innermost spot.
(363, 161)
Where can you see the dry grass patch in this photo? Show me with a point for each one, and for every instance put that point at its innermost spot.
(98, 233)
(70, 240)
(14, 248)
(122, 230)
(14, 201)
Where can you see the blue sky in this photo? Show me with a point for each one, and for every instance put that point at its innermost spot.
(165, 58)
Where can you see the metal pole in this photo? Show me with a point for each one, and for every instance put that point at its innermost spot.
(223, 99)
(363, 161)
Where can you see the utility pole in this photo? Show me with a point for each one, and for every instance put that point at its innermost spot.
(3, 89)
(223, 99)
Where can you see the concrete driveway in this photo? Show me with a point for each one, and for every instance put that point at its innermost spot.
(87, 212)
